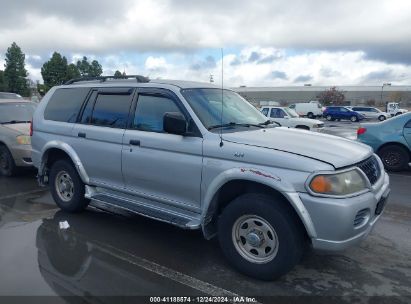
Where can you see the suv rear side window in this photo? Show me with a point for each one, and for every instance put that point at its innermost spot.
(111, 110)
(65, 104)
(150, 111)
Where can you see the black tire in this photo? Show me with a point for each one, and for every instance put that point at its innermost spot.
(310, 115)
(76, 202)
(329, 117)
(394, 158)
(354, 118)
(399, 113)
(382, 118)
(290, 235)
(7, 165)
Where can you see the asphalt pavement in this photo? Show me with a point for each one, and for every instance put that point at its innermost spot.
(95, 254)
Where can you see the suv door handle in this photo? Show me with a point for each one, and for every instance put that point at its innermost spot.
(134, 142)
(81, 134)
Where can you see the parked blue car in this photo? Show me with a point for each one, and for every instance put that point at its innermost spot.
(341, 113)
(390, 139)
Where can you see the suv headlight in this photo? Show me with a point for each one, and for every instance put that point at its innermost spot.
(23, 140)
(344, 183)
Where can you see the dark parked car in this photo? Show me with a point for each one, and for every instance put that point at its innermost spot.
(342, 113)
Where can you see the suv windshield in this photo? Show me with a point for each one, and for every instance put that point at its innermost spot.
(9, 96)
(16, 112)
(206, 103)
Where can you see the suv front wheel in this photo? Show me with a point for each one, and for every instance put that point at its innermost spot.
(67, 187)
(260, 236)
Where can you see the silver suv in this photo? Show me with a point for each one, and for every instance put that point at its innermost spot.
(199, 157)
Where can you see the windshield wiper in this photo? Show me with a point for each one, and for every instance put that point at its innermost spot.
(14, 122)
(269, 122)
(234, 124)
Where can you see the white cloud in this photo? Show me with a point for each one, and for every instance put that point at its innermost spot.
(156, 64)
(276, 42)
(317, 68)
(158, 25)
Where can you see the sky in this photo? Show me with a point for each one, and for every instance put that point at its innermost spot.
(258, 43)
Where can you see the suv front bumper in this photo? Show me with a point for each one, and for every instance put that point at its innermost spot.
(343, 222)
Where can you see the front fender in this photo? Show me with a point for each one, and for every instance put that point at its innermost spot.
(56, 144)
(259, 176)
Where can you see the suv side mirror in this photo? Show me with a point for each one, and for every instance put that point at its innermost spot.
(174, 123)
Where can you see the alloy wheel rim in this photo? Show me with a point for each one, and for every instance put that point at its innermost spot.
(64, 186)
(392, 159)
(255, 239)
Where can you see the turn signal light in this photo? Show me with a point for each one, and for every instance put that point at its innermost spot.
(320, 184)
(361, 131)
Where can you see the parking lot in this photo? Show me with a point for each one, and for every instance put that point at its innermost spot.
(104, 253)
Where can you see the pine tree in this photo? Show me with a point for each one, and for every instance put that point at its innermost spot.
(54, 71)
(89, 70)
(15, 72)
(3, 83)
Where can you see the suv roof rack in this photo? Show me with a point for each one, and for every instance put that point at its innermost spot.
(139, 78)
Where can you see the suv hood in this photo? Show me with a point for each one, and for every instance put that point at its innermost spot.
(337, 151)
(23, 128)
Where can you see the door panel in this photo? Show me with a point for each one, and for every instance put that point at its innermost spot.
(99, 135)
(157, 164)
(100, 153)
(164, 165)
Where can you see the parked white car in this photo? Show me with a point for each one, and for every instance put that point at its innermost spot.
(289, 118)
(309, 109)
(371, 113)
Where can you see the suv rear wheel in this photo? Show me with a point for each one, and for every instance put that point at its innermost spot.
(329, 117)
(7, 165)
(310, 115)
(260, 237)
(67, 187)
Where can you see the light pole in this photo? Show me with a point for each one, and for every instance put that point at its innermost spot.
(382, 89)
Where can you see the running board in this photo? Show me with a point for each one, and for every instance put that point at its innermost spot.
(184, 219)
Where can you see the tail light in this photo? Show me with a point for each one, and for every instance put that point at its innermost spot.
(31, 128)
(361, 131)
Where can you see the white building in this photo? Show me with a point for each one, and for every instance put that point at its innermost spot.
(353, 94)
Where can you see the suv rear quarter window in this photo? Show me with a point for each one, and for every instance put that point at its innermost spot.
(64, 105)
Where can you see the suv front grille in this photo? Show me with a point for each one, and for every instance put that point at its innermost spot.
(371, 168)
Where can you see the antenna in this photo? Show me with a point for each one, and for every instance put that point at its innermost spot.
(222, 97)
